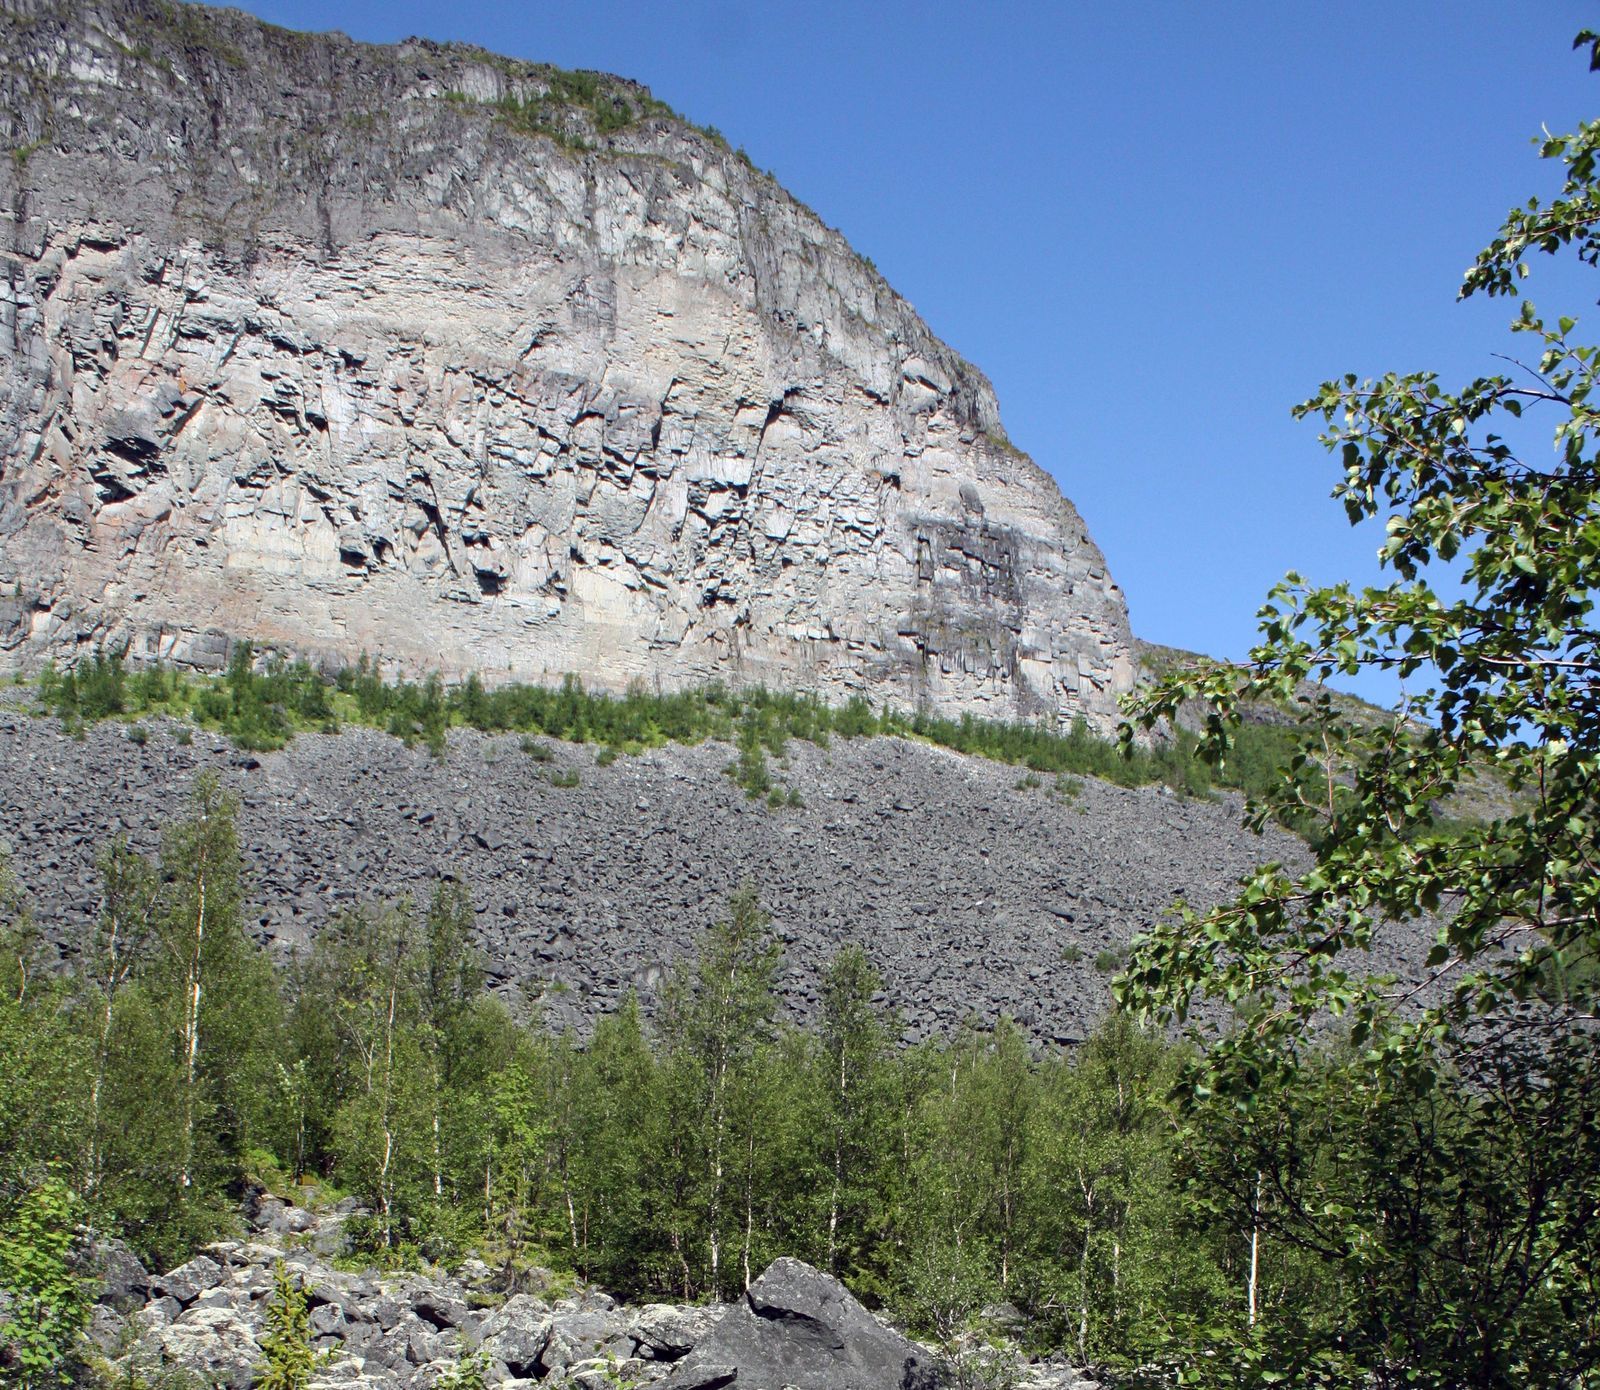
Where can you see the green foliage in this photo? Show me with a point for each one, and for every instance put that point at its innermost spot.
(1109, 962)
(470, 1372)
(1435, 1181)
(261, 705)
(46, 1301)
(287, 1359)
(717, 1024)
(565, 106)
(677, 1162)
(257, 708)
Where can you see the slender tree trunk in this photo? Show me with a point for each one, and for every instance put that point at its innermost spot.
(1255, 1249)
(683, 1264)
(388, 1106)
(191, 1032)
(1006, 1214)
(715, 1222)
(838, 1169)
(438, 1164)
(102, 1056)
(749, 1207)
(1083, 1271)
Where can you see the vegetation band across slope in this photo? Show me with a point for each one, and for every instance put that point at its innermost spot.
(262, 706)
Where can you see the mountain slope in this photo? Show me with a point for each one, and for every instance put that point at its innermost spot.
(974, 889)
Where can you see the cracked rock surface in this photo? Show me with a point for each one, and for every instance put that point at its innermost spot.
(311, 342)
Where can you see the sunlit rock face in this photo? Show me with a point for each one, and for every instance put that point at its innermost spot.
(410, 351)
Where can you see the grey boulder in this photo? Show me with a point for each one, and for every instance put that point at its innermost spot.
(514, 1335)
(213, 1344)
(579, 1336)
(800, 1328)
(188, 1281)
(124, 1281)
(664, 1332)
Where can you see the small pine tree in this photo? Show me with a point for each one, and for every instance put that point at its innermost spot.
(287, 1360)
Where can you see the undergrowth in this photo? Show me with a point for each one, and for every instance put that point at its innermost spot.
(261, 705)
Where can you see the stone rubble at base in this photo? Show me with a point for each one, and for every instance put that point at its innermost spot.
(797, 1327)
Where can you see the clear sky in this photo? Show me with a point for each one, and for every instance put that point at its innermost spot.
(1156, 226)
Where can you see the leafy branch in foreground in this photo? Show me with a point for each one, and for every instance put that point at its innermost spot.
(1458, 1197)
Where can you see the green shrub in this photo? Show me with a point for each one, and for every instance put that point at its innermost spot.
(48, 1302)
(287, 1360)
(263, 705)
(469, 1373)
(1109, 962)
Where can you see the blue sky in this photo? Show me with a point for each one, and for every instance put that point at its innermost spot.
(1155, 225)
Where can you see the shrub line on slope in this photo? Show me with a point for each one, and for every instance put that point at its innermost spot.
(261, 706)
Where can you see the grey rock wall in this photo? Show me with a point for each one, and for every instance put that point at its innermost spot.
(330, 346)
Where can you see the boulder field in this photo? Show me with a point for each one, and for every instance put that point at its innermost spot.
(795, 1326)
(974, 889)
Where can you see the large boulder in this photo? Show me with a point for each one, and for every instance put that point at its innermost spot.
(213, 1344)
(800, 1328)
(665, 1332)
(580, 1334)
(124, 1282)
(515, 1334)
(188, 1281)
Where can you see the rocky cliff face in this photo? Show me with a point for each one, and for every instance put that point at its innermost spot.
(476, 365)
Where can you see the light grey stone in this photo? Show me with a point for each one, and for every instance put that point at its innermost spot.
(215, 1344)
(188, 1281)
(515, 1334)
